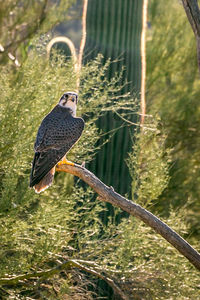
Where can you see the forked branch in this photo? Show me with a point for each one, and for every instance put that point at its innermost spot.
(108, 194)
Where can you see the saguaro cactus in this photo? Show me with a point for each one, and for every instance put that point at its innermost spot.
(114, 29)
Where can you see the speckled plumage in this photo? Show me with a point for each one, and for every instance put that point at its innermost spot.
(58, 132)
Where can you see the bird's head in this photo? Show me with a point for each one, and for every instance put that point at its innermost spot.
(69, 100)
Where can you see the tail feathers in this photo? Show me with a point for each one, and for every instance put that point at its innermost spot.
(45, 182)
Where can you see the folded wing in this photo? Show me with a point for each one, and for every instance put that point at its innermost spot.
(52, 143)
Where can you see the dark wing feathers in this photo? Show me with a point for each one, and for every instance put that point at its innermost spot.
(58, 132)
(43, 162)
(40, 135)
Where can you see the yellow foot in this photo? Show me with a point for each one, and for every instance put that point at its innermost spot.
(65, 162)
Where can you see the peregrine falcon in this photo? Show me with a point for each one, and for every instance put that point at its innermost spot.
(58, 132)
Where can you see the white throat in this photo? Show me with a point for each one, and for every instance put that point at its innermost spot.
(72, 106)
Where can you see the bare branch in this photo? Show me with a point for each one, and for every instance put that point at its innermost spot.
(108, 194)
(67, 265)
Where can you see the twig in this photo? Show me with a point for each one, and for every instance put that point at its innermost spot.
(10, 56)
(135, 124)
(66, 265)
(110, 282)
(107, 194)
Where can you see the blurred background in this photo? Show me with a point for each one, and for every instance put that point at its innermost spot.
(137, 54)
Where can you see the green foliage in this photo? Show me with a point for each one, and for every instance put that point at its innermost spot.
(148, 165)
(38, 232)
(143, 257)
(64, 222)
(114, 29)
(64, 219)
(173, 92)
(149, 268)
(21, 20)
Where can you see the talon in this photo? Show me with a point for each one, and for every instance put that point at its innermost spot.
(64, 161)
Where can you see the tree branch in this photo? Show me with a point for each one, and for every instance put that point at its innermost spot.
(108, 194)
(193, 14)
(67, 265)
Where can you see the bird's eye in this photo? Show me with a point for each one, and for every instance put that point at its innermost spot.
(66, 96)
